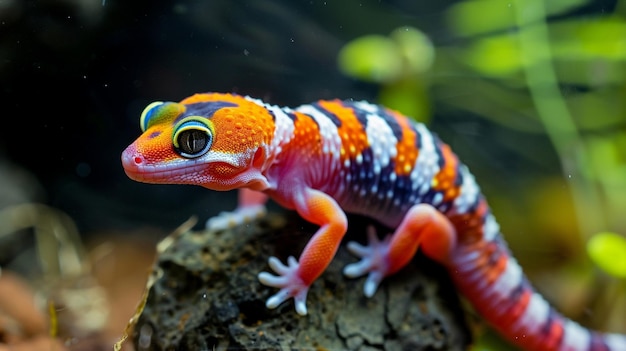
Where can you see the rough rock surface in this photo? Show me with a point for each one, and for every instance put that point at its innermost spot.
(207, 297)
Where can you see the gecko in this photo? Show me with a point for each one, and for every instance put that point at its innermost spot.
(333, 157)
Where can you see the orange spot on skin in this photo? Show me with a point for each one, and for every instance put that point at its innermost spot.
(445, 179)
(206, 97)
(405, 147)
(306, 141)
(351, 131)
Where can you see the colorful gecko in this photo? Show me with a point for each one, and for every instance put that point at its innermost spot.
(331, 157)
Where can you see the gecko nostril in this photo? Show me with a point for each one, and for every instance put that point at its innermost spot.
(138, 160)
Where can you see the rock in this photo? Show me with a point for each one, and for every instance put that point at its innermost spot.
(206, 296)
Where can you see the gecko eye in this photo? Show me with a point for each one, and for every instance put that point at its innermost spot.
(193, 143)
(192, 138)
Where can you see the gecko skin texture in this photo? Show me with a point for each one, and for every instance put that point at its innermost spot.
(333, 157)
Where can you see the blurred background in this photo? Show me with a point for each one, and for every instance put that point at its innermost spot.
(529, 93)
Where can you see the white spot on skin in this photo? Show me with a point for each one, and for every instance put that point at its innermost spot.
(367, 107)
(510, 279)
(469, 192)
(376, 151)
(615, 341)
(535, 315)
(437, 199)
(381, 139)
(426, 164)
(424, 189)
(490, 228)
(466, 259)
(575, 337)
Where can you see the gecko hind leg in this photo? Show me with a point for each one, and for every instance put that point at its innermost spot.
(422, 225)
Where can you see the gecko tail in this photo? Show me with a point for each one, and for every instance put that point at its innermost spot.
(495, 285)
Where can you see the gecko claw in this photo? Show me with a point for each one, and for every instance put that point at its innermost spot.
(239, 216)
(289, 282)
(373, 261)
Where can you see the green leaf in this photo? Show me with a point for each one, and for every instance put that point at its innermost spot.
(496, 56)
(416, 49)
(590, 39)
(608, 251)
(372, 58)
(473, 17)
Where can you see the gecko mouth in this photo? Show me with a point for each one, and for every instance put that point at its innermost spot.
(200, 171)
(163, 173)
(138, 169)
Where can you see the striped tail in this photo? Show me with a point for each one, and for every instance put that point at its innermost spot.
(492, 280)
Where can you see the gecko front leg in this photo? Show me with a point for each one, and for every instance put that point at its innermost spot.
(295, 278)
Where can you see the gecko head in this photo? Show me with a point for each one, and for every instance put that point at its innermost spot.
(219, 141)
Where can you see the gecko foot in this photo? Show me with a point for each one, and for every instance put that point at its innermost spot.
(373, 261)
(289, 283)
(239, 216)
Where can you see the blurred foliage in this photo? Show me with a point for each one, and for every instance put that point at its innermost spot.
(535, 67)
(607, 251)
(397, 62)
